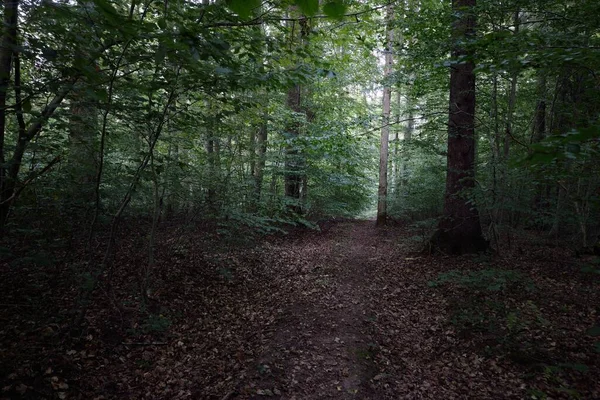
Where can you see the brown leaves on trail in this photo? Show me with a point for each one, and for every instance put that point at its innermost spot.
(346, 314)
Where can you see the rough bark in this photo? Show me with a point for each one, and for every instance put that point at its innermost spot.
(385, 125)
(459, 230)
(8, 43)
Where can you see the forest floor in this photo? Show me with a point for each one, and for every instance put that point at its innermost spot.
(351, 312)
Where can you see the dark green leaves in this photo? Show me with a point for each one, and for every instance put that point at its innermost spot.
(308, 7)
(26, 105)
(335, 9)
(243, 8)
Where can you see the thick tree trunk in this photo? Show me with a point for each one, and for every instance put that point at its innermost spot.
(295, 176)
(83, 154)
(385, 125)
(459, 230)
(8, 43)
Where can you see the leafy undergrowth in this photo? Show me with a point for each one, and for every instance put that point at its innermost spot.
(349, 312)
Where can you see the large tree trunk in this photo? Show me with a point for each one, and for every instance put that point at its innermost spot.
(295, 179)
(8, 44)
(83, 154)
(385, 126)
(459, 230)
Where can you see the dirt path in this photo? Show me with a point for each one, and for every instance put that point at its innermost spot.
(321, 347)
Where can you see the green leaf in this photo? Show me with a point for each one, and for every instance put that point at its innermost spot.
(335, 9)
(308, 7)
(243, 8)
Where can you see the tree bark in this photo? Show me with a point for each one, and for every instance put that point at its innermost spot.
(459, 230)
(261, 148)
(83, 153)
(385, 125)
(8, 43)
(293, 175)
(539, 125)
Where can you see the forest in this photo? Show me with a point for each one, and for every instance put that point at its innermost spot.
(300, 199)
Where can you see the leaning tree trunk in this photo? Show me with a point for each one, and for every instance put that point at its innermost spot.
(459, 230)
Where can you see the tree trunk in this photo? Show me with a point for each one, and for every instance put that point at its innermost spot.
(385, 125)
(539, 125)
(512, 99)
(459, 230)
(295, 179)
(8, 44)
(261, 148)
(408, 132)
(293, 175)
(83, 156)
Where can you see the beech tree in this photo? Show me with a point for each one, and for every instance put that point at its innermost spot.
(382, 193)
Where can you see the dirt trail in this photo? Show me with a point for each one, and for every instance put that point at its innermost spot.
(322, 347)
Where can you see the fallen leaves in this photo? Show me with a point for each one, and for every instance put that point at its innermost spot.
(341, 315)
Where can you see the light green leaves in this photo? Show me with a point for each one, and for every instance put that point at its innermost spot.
(333, 9)
(243, 8)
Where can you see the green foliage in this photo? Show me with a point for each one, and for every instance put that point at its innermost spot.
(308, 7)
(335, 9)
(243, 8)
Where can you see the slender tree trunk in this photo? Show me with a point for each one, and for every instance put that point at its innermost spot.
(408, 132)
(261, 147)
(459, 230)
(211, 195)
(539, 125)
(293, 176)
(385, 125)
(512, 99)
(396, 141)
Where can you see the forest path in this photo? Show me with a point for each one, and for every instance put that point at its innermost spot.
(322, 346)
